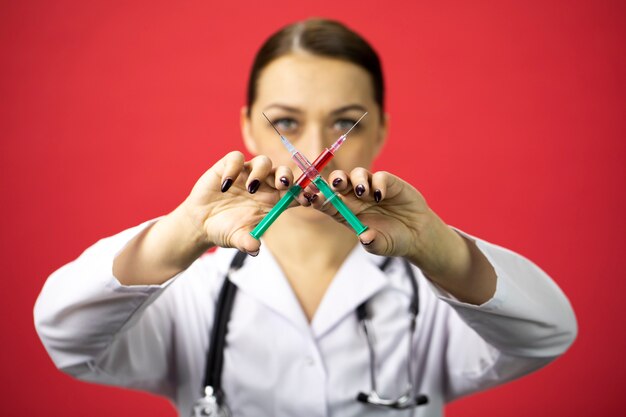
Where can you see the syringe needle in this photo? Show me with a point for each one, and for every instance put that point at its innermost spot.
(273, 124)
(354, 125)
(341, 139)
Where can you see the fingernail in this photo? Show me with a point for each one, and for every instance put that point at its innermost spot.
(254, 186)
(284, 181)
(378, 196)
(366, 243)
(255, 253)
(337, 181)
(360, 189)
(313, 198)
(226, 184)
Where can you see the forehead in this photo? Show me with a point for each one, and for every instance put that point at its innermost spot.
(312, 82)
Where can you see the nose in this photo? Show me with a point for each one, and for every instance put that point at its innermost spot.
(312, 142)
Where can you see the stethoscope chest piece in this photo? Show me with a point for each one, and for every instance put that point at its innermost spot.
(208, 406)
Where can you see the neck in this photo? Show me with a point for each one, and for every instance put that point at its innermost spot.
(314, 242)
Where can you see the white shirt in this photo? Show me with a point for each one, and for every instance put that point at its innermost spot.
(276, 363)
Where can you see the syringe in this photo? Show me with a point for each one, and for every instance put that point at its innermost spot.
(320, 162)
(314, 175)
(327, 154)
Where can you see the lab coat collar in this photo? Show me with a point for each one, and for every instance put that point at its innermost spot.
(261, 278)
(356, 281)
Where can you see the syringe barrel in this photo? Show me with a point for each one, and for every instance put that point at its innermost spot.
(319, 165)
(338, 143)
(281, 206)
(302, 163)
(341, 207)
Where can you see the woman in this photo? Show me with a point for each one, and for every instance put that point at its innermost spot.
(137, 309)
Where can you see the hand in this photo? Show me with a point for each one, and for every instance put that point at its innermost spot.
(232, 197)
(401, 224)
(224, 205)
(399, 220)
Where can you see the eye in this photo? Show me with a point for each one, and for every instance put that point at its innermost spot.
(286, 124)
(342, 125)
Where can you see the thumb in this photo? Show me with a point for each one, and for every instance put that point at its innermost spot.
(246, 243)
(373, 242)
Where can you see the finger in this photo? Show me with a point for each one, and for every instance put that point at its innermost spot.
(317, 200)
(339, 181)
(380, 180)
(312, 193)
(304, 198)
(283, 178)
(372, 241)
(246, 243)
(232, 164)
(260, 167)
(360, 179)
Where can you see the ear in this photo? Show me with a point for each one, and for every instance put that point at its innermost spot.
(382, 134)
(246, 131)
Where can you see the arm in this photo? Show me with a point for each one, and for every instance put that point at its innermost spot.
(83, 314)
(104, 317)
(509, 317)
(526, 324)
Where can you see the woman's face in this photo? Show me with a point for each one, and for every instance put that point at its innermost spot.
(313, 100)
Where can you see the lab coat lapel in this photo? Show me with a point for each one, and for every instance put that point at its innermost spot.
(270, 287)
(356, 281)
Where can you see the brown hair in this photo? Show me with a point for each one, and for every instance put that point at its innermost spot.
(322, 37)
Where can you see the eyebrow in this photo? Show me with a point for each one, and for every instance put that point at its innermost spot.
(283, 107)
(333, 113)
(347, 108)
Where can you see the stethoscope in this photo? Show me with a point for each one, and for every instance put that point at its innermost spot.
(213, 402)
(409, 399)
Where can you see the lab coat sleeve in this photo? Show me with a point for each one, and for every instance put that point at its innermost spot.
(98, 330)
(526, 324)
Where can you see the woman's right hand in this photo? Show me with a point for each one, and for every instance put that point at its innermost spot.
(226, 203)
(232, 197)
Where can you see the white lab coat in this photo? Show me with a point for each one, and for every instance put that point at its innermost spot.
(155, 338)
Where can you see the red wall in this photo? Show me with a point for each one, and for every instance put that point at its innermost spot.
(508, 116)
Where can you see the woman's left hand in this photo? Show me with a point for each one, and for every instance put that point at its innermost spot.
(400, 223)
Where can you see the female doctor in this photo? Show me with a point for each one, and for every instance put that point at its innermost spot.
(322, 322)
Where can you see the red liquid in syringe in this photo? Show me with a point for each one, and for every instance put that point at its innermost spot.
(319, 164)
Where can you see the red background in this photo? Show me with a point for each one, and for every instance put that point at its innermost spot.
(508, 116)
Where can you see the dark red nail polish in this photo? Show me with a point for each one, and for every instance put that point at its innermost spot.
(307, 196)
(378, 196)
(360, 190)
(226, 184)
(337, 181)
(313, 198)
(254, 186)
(284, 181)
